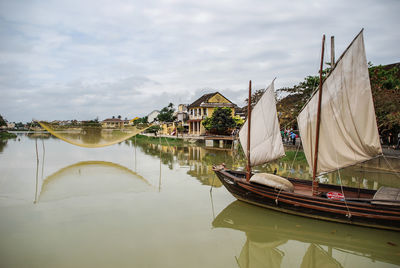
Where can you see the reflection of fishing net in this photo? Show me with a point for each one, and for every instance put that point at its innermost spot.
(90, 178)
(94, 135)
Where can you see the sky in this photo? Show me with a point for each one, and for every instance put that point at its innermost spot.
(92, 59)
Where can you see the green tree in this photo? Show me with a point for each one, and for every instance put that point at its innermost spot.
(142, 120)
(385, 86)
(221, 121)
(153, 129)
(3, 122)
(167, 114)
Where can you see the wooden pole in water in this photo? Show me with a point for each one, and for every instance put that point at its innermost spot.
(315, 183)
(248, 167)
(332, 52)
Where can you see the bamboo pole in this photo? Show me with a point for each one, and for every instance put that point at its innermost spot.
(315, 183)
(332, 52)
(248, 167)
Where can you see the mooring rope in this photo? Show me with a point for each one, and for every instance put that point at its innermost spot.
(298, 148)
(341, 188)
(390, 166)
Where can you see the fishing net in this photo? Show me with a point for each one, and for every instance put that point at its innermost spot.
(93, 135)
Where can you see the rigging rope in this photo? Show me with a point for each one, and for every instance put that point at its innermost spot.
(341, 188)
(390, 166)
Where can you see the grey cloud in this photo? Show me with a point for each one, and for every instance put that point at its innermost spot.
(68, 59)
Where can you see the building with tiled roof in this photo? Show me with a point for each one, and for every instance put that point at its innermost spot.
(204, 107)
(112, 123)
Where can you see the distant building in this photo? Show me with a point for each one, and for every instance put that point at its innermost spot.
(10, 125)
(182, 113)
(112, 123)
(204, 107)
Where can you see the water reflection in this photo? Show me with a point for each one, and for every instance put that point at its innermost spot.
(90, 178)
(199, 161)
(268, 233)
(3, 144)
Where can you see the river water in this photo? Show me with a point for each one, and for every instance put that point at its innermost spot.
(137, 204)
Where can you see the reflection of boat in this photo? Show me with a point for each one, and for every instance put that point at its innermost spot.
(271, 229)
(347, 135)
(91, 178)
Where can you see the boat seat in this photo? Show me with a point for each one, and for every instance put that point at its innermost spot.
(273, 181)
(387, 193)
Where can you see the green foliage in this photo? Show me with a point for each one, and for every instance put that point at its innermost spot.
(385, 85)
(91, 123)
(4, 135)
(238, 120)
(2, 121)
(153, 129)
(167, 114)
(299, 157)
(141, 139)
(142, 120)
(221, 121)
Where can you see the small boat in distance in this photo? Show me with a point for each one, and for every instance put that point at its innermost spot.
(338, 129)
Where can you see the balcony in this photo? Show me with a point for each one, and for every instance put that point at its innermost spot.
(197, 117)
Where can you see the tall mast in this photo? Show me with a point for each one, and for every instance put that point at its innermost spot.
(248, 167)
(315, 183)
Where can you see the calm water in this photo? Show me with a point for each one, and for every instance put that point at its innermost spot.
(150, 206)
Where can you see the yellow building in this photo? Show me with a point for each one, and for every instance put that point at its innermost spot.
(112, 123)
(168, 128)
(204, 107)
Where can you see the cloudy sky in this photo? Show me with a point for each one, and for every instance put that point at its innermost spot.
(85, 59)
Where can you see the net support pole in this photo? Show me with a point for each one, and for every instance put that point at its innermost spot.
(314, 181)
(248, 167)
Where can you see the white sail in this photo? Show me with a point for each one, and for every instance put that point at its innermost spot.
(348, 129)
(265, 137)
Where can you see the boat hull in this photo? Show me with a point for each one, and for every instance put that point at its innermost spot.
(348, 212)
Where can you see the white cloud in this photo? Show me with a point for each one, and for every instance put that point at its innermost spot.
(75, 59)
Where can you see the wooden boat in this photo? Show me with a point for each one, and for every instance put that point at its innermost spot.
(338, 129)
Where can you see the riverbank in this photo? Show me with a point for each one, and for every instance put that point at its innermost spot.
(4, 135)
(168, 141)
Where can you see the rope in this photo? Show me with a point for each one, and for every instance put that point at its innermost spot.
(390, 166)
(298, 147)
(348, 215)
(277, 197)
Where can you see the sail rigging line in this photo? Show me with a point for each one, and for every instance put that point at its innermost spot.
(315, 183)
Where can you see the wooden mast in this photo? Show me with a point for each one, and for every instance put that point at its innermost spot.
(248, 167)
(315, 183)
(332, 52)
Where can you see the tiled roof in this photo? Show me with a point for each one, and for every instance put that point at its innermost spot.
(113, 120)
(205, 98)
